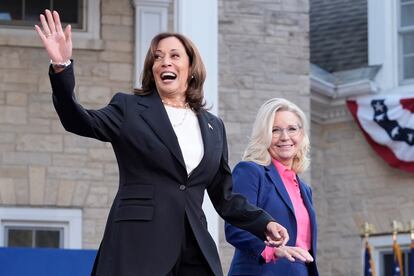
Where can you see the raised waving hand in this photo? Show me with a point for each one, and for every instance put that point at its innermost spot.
(58, 43)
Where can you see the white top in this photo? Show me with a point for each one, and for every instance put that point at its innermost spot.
(187, 130)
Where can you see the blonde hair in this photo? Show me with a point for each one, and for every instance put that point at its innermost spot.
(261, 137)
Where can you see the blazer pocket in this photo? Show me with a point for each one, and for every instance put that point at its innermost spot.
(143, 213)
(136, 195)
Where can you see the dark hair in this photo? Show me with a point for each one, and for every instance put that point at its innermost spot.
(196, 72)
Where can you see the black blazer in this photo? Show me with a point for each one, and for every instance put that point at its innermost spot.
(144, 230)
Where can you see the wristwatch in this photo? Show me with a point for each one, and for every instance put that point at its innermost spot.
(59, 64)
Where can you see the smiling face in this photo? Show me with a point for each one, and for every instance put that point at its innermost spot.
(170, 68)
(287, 137)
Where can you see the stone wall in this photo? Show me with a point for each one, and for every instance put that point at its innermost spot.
(40, 163)
(263, 53)
(352, 185)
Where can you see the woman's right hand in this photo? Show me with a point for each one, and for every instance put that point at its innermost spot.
(293, 253)
(58, 44)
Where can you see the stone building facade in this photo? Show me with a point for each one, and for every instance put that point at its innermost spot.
(351, 57)
(263, 52)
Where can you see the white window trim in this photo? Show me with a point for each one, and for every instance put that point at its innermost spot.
(383, 43)
(68, 219)
(86, 39)
(380, 244)
(400, 48)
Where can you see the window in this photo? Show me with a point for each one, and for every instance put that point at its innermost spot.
(35, 237)
(41, 227)
(17, 18)
(406, 41)
(387, 260)
(382, 253)
(26, 12)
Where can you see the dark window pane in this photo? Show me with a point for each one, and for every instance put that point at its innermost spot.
(69, 10)
(409, 68)
(47, 238)
(20, 238)
(11, 10)
(34, 8)
(407, 15)
(388, 260)
(26, 12)
(408, 43)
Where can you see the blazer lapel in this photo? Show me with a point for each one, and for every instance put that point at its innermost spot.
(208, 134)
(155, 115)
(280, 187)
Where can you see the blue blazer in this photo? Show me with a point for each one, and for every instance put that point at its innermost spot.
(263, 187)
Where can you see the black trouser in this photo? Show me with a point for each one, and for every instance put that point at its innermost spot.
(191, 261)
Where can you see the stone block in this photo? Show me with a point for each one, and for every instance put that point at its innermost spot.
(21, 186)
(121, 72)
(51, 191)
(26, 158)
(42, 110)
(120, 46)
(69, 160)
(16, 99)
(111, 19)
(80, 193)
(7, 191)
(65, 192)
(75, 173)
(13, 115)
(40, 143)
(117, 32)
(94, 94)
(37, 181)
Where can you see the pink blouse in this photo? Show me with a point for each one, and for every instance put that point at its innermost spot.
(303, 237)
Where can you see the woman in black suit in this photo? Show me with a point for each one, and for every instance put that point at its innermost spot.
(169, 150)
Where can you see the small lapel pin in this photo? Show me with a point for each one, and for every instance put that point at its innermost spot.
(210, 126)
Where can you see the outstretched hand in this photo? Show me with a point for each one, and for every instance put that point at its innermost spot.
(276, 235)
(293, 253)
(58, 44)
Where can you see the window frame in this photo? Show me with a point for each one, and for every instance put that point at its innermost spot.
(70, 220)
(28, 23)
(400, 32)
(383, 46)
(88, 38)
(33, 227)
(383, 244)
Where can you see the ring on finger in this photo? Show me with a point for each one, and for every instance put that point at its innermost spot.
(48, 34)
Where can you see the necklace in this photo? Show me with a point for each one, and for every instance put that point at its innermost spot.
(182, 120)
(175, 113)
(185, 105)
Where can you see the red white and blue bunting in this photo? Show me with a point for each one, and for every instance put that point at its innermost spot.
(387, 122)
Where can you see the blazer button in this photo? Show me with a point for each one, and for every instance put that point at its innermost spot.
(182, 187)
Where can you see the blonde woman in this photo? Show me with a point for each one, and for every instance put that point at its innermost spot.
(267, 176)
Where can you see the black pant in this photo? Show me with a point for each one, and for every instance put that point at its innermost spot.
(191, 261)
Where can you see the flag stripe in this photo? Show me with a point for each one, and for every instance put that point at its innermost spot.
(383, 151)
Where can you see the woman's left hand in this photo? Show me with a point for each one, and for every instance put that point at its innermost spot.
(293, 253)
(276, 234)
